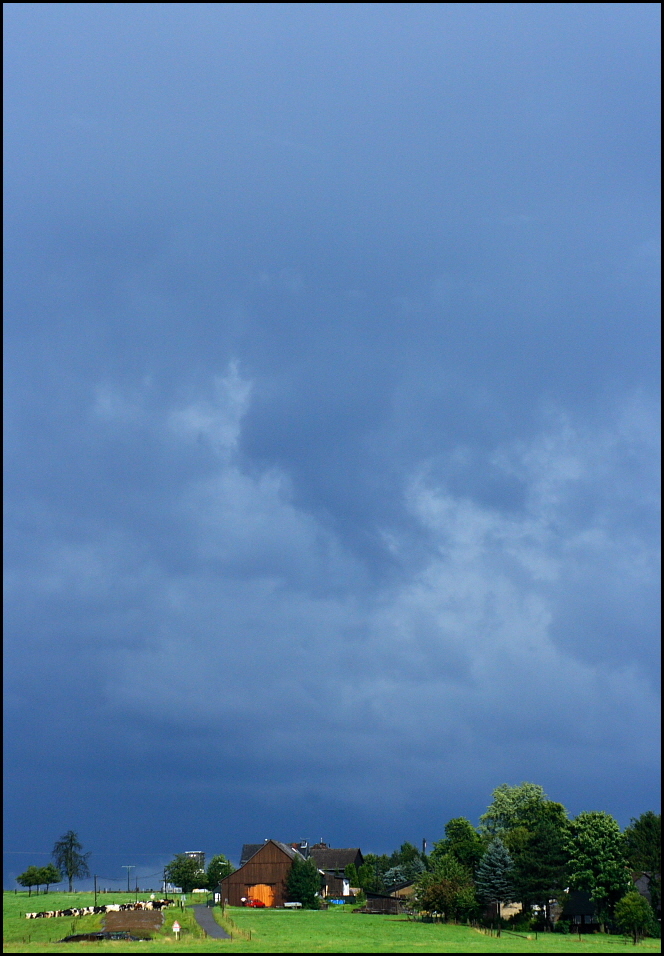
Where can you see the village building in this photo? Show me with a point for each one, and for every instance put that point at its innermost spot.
(333, 862)
(263, 874)
(264, 869)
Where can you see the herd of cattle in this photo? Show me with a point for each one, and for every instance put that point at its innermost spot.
(109, 908)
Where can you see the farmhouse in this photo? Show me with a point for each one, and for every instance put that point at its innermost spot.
(263, 874)
(333, 863)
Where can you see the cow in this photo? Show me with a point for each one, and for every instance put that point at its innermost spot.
(108, 908)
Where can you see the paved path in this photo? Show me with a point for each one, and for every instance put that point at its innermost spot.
(205, 919)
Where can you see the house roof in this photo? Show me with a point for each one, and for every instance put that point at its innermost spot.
(331, 859)
(248, 850)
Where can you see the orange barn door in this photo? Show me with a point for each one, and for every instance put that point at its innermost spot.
(263, 892)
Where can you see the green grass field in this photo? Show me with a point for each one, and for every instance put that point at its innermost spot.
(337, 930)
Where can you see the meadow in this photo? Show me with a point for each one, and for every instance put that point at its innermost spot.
(337, 930)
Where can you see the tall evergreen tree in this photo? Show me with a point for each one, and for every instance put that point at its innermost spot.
(643, 848)
(540, 868)
(304, 883)
(495, 875)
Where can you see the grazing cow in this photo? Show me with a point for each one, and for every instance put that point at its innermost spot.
(108, 908)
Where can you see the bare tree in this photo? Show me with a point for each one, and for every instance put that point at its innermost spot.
(69, 859)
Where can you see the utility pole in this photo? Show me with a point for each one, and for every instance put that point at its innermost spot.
(95, 889)
(128, 868)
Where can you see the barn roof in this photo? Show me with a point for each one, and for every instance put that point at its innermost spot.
(291, 851)
(331, 859)
(250, 849)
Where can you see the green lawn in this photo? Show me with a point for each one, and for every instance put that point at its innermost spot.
(337, 930)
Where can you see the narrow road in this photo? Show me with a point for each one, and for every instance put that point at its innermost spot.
(206, 920)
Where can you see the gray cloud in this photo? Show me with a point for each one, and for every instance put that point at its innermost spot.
(331, 400)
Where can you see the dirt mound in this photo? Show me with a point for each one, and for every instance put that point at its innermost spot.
(140, 922)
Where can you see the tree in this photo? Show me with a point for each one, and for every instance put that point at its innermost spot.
(540, 866)
(597, 863)
(31, 877)
(394, 876)
(407, 854)
(461, 840)
(634, 915)
(304, 884)
(643, 849)
(68, 858)
(512, 807)
(351, 875)
(448, 889)
(534, 829)
(186, 872)
(218, 869)
(495, 874)
(372, 872)
(50, 874)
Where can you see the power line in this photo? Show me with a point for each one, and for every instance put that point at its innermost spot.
(98, 852)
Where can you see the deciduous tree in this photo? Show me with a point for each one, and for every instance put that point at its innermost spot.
(511, 807)
(218, 869)
(596, 851)
(50, 874)
(185, 871)
(31, 877)
(371, 874)
(634, 915)
(447, 889)
(461, 840)
(69, 859)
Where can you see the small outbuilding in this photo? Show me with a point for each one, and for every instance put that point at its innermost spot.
(380, 903)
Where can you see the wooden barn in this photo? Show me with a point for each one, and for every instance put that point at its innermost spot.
(262, 876)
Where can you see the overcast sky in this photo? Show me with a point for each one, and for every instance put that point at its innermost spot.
(331, 419)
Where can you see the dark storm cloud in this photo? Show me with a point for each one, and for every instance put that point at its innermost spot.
(331, 412)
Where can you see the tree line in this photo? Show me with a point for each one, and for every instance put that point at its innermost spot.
(527, 849)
